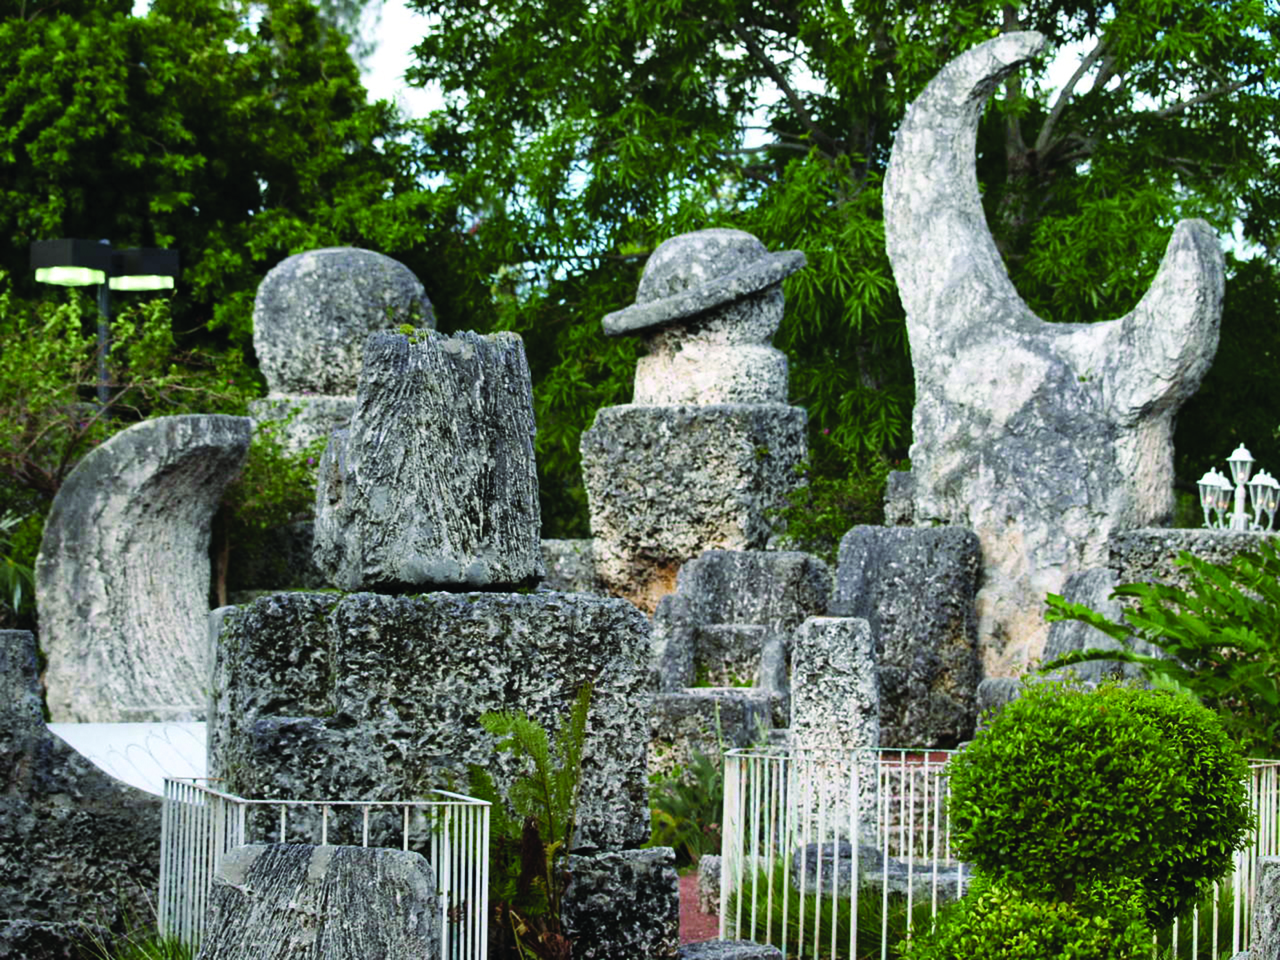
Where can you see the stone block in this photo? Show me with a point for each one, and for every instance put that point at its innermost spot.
(434, 483)
(835, 700)
(1149, 554)
(570, 567)
(1043, 438)
(729, 950)
(709, 865)
(1265, 939)
(122, 579)
(665, 483)
(366, 696)
(330, 903)
(79, 850)
(314, 311)
(623, 905)
(916, 587)
(709, 720)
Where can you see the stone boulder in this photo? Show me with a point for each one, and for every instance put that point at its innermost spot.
(434, 484)
(373, 697)
(294, 901)
(916, 587)
(79, 850)
(122, 579)
(1043, 438)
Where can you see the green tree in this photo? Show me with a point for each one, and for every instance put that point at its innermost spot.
(626, 122)
(238, 141)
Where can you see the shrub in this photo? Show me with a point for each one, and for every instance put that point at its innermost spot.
(685, 809)
(1218, 634)
(996, 921)
(1069, 788)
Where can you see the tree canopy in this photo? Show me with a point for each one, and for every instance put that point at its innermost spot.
(578, 135)
(236, 141)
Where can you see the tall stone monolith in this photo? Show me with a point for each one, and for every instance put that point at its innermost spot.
(122, 579)
(1044, 438)
(709, 445)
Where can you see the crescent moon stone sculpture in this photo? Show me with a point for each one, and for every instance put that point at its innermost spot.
(122, 579)
(1042, 437)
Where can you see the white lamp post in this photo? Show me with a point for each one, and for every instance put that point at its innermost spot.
(1218, 495)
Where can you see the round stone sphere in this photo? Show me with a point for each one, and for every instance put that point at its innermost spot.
(314, 311)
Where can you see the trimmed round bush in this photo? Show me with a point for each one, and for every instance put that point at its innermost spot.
(998, 922)
(1071, 787)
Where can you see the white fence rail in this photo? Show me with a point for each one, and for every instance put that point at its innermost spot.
(200, 824)
(843, 854)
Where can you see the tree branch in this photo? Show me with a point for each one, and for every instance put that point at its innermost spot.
(828, 145)
(1065, 94)
(1219, 91)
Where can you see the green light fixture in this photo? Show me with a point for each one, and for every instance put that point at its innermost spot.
(70, 263)
(143, 268)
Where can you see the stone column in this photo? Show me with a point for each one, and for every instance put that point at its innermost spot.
(708, 445)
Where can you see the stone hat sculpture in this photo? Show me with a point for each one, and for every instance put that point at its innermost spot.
(696, 272)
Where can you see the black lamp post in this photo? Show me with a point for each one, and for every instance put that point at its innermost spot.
(83, 263)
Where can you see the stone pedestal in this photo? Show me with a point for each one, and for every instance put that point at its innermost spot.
(371, 697)
(708, 720)
(665, 483)
(122, 579)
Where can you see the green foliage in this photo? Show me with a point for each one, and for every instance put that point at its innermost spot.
(532, 828)
(1069, 789)
(17, 579)
(998, 921)
(767, 920)
(277, 485)
(48, 375)
(685, 808)
(1219, 634)
(571, 159)
(237, 139)
(824, 508)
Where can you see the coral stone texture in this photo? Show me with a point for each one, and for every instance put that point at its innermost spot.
(623, 904)
(122, 579)
(708, 445)
(1043, 438)
(79, 850)
(314, 311)
(434, 483)
(835, 699)
(311, 316)
(916, 587)
(372, 697)
(295, 901)
(665, 483)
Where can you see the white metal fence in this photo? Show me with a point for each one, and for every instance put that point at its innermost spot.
(842, 854)
(200, 824)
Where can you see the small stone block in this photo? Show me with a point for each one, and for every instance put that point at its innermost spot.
(434, 483)
(707, 720)
(280, 900)
(835, 699)
(729, 950)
